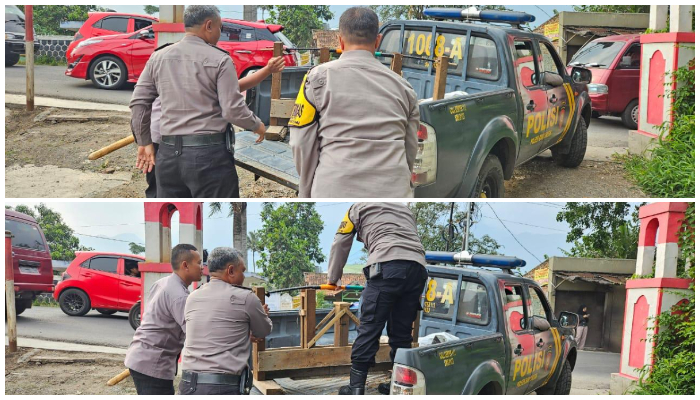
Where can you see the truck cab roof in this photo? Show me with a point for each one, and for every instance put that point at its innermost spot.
(495, 29)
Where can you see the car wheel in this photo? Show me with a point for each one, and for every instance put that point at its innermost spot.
(630, 117)
(74, 302)
(577, 151)
(11, 58)
(108, 72)
(490, 182)
(20, 306)
(105, 311)
(595, 114)
(135, 315)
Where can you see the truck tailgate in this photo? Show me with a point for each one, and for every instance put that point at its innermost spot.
(448, 367)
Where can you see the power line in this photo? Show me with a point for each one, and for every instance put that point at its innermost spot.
(534, 226)
(546, 13)
(548, 205)
(511, 233)
(106, 238)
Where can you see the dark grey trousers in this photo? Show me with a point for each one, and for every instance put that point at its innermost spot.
(199, 172)
(191, 388)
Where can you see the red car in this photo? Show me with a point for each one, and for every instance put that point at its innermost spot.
(110, 23)
(111, 61)
(31, 259)
(106, 282)
(614, 63)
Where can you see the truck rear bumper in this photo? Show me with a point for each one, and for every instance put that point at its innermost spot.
(25, 290)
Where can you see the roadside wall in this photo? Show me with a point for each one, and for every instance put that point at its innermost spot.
(54, 46)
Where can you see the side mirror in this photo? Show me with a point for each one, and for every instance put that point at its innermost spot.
(145, 34)
(540, 324)
(568, 319)
(581, 75)
(553, 80)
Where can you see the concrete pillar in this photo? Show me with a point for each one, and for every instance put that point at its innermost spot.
(681, 19)
(170, 27)
(658, 15)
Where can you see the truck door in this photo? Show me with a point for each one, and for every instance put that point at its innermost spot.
(519, 337)
(533, 96)
(623, 84)
(560, 98)
(547, 343)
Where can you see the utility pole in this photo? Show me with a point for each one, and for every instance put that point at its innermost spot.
(467, 224)
(250, 13)
(29, 54)
(10, 294)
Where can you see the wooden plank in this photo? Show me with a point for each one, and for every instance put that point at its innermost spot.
(440, 78)
(324, 55)
(324, 372)
(325, 329)
(354, 319)
(325, 319)
(397, 63)
(276, 132)
(258, 347)
(276, 90)
(282, 108)
(268, 388)
(290, 358)
(307, 322)
(341, 330)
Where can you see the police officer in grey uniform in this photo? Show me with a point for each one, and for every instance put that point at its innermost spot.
(354, 127)
(152, 355)
(395, 275)
(221, 318)
(200, 98)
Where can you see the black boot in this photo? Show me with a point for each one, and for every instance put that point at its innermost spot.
(358, 379)
(384, 388)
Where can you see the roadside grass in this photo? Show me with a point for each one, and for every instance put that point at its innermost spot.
(44, 302)
(44, 60)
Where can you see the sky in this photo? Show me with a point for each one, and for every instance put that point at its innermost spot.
(110, 226)
(542, 13)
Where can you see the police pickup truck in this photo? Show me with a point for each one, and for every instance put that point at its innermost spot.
(508, 98)
(508, 340)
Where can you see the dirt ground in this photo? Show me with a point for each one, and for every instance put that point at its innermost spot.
(49, 159)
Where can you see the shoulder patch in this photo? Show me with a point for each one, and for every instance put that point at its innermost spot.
(162, 47)
(220, 49)
(346, 226)
(304, 112)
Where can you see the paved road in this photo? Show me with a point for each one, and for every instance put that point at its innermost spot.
(592, 372)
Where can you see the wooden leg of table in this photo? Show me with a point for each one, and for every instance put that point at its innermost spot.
(341, 330)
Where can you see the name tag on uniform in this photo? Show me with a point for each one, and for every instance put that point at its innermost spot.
(303, 113)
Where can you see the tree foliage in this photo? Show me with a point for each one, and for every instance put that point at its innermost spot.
(254, 244)
(612, 8)
(389, 12)
(47, 19)
(433, 229)
(289, 242)
(136, 248)
(299, 20)
(600, 230)
(237, 210)
(59, 236)
(150, 10)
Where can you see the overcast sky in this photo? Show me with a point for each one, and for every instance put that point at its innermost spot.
(533, 224)
(542, 13)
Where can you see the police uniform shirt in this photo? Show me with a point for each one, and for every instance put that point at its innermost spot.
(354, 130)
(159, 338)
(388, 231)
(220, 319)
(198, 88)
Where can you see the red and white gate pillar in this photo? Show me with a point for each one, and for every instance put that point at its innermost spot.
(647, 298)
(662, 54)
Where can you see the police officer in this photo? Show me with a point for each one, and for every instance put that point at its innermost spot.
(274, 65)
(200, 97)
(220, 321)
(395, 275)
(355, 122)
(152, 355)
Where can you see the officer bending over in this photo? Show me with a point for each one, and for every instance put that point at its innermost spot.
(220, 321)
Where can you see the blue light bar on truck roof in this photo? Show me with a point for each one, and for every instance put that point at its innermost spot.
(508, 17)
(478, 260)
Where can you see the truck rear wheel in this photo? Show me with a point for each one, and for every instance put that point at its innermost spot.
(135, 315)
(630, 117)
(490, 182)
(20, 306)
(579, 142)
(11, 58)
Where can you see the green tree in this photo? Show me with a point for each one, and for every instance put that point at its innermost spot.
(432, 220)
(136, 248)
(389, 12)
(612, 8)
(600, 230)
(150, 10)
(59, 236)
(254, 245)
(299, 21)
(289, 239)
(237, 210)
(47, 19)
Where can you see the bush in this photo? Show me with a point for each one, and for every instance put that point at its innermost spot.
(670, 171)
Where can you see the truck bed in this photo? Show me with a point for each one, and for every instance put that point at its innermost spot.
(271, 160)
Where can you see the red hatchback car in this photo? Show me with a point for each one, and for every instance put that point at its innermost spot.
(110, 23)
(106, 282)
(111, 61)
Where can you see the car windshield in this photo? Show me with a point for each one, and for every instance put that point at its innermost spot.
(14, 10)
(285, 40)
(25, 235)
(596, 54)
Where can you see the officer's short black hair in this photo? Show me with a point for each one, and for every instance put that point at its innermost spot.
(198, 14)
(359, 25)
(181, 252)
(221, 257)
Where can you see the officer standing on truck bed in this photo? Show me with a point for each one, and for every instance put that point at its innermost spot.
(152, 355)
(395, 275)
(220, 321)
(200, 99)
(354, 127)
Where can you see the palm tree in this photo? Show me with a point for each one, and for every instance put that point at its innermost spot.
(253, 244)
(237, 210)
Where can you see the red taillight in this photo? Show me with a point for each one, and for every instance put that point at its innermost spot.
(405, 376)
(422, 132)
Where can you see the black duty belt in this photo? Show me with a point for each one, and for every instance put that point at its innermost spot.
(195, 140)
(211, 379)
